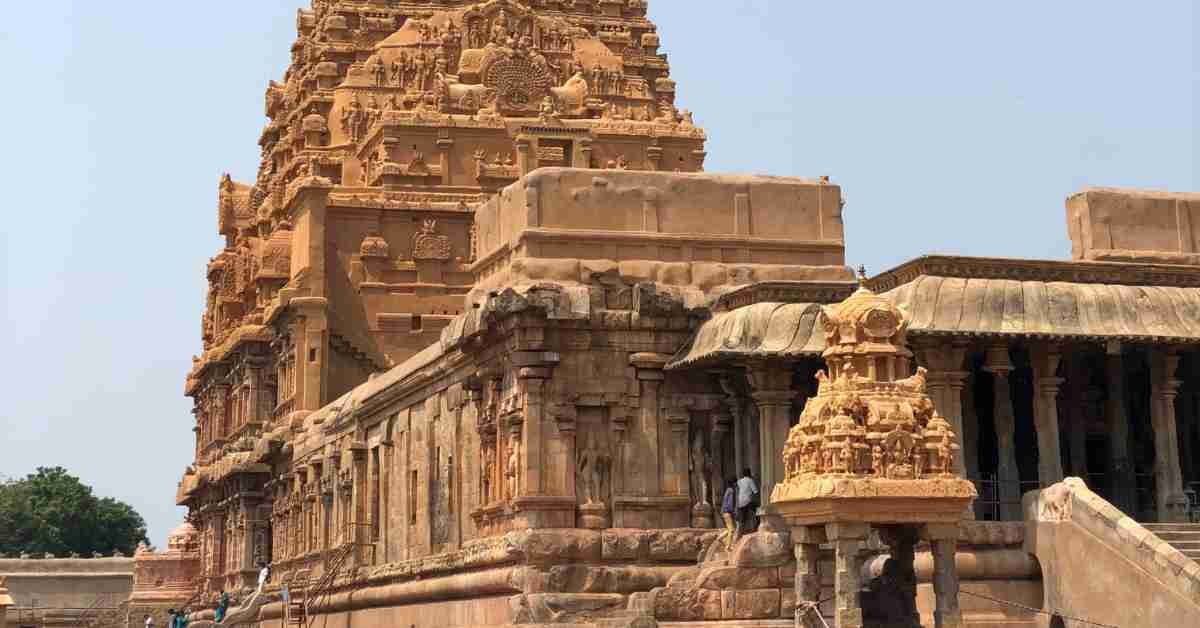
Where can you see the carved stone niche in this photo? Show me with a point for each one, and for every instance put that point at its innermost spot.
(428, 244)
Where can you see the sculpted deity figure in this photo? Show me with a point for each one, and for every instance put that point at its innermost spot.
(877, 464)
(846, 457)
(514, 468)
(945, 454)
(500, 29)
(489, 466)
(592, 466)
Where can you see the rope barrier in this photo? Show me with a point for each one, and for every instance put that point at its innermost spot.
(1037, 610)
(803, 608)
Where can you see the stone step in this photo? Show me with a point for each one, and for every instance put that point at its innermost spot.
(1172, 527)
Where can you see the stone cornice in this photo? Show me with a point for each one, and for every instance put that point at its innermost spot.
(1084, 272)
(786, 292)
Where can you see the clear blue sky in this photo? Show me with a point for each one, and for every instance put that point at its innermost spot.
(955, 127)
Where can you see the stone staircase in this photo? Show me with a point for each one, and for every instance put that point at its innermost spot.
(1184, 537)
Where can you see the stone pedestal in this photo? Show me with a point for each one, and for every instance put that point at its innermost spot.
(593, 516)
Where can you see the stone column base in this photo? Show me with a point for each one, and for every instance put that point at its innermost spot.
(593, 516)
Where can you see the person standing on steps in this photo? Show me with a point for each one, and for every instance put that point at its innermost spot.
(747, 502)
(729, 511)
(222, 606)
(264, 575)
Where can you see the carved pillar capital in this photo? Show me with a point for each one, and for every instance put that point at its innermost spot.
(774, 397)
(649, 365)
(998, 361)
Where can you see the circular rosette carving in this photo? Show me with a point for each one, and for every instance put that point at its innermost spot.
(880, 324)
(519, 82)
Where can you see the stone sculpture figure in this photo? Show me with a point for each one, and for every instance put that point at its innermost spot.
(489, 466)
(514, 467)
(593, 466)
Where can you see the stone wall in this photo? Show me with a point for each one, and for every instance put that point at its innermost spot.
(50, 592)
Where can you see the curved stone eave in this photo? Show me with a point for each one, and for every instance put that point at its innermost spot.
(1049, 310)
(758, 332)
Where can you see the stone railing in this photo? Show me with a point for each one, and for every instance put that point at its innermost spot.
(1095, 560)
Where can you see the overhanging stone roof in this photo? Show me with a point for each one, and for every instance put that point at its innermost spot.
(978, 297)
(763, 330)
(1083, 300)
(1009, 307)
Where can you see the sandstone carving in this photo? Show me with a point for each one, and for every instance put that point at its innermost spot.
(482, 345)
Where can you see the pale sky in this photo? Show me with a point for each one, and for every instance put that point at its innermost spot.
(953, 127)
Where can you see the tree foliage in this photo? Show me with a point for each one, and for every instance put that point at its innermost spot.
(51, 511)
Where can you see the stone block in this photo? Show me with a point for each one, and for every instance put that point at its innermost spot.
(757, 604)
(623, 545)
(565, 608)
(787, 602)
(787, 575)
(675, 545)
(561, 546)
(738, 578)
(763, 549)
(687, 605)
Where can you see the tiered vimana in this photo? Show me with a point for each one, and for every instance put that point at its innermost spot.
(870, 450)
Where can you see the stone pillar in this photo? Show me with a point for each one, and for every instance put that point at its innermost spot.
(773, 394)
(807, 543)
(943, 539)
(1117, 419)
(1186, 415)
(1077, 414)
(848, 540)
(970, 426)
(526, 159)
(642, 475)
(534, 370)
(1046, 359)
(675, 480)
(1007, 474)
(444, 144)
(946, 380)
(1168, 479)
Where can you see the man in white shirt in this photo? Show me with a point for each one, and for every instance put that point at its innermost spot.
(264, 574)
(747, 502)
(149, 622)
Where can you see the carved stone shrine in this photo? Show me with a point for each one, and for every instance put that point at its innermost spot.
(871, 451)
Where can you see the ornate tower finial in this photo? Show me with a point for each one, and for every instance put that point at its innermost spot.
(862, 273)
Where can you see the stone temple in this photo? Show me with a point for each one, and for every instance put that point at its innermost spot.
(484, 344)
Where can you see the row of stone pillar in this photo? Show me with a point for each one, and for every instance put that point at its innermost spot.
(948, 386)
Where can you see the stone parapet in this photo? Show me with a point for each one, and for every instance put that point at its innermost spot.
(1124, 225)
(699, 231)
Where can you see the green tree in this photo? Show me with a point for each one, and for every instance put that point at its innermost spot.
(52, 511)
